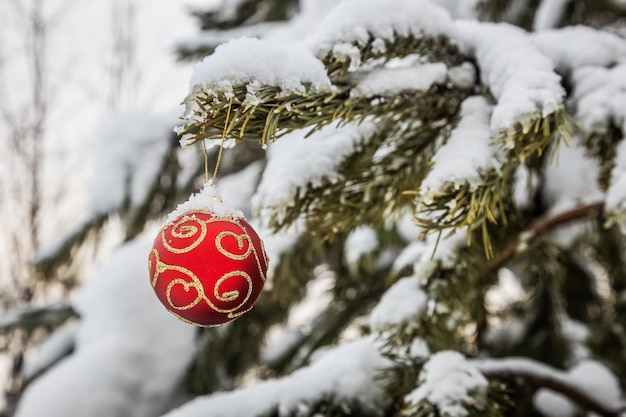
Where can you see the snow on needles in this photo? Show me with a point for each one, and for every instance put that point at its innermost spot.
(354, 21)
(261, 62)
(345, 374)
(591, 377)
(467, 153)
(573, 47)
(294, 161)
(391, 81)
(521, 78)
(450, 383)
(403, 301)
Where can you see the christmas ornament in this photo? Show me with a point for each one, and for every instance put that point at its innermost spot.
(207, 265)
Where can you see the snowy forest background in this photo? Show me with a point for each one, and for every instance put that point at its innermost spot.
(442, 199)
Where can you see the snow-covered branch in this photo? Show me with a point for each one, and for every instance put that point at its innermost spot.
(31, 317)
(343, 375)
(542, 375)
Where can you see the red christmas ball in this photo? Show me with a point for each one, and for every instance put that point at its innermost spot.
(207, 270)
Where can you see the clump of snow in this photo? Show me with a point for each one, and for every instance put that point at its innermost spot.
(450, 383)
(574, 47)
(207, 199)
(616, 194)
(355, 21)
(131, 355)
(345, 373)
(463, 75)
(403, 301)
(552, 404)
(526, 184)
(520, 77)
(362, 241)
(600, 94)
(505, 293)
(417, 350)
(591, 377)
(569, 182)
(391, 81)
(129, 151)
(549, 14)
(468, 152)
(294, 161)
(260, 62)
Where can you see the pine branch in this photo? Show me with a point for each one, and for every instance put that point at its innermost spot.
(32, 317)
(273, 113)
(538, 228)
(434, 48)
(542, 375)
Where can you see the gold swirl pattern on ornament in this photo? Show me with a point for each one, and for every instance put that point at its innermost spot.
(195, 283)
(182, 230)
(229, 296)
(240, 244)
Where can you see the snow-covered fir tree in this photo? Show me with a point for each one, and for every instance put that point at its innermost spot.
(441, 189)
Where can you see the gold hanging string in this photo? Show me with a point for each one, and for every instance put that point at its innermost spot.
(220, 150)
(224, 132)
(206, 160)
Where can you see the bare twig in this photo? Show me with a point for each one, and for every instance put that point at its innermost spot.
(538, 228)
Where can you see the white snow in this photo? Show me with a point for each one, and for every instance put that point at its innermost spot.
(345, 373)
(130, 353)
(600, 95)
(129, 150)
(571, 181)
(552, 404)
(468, 152)
(362, 241)
(294, 161)
(391, 81)
(262, 62)
(520, 77)
(451, 383)
(354, 21)
(616, 194)
(505, 293)
(574, 47)
(590, 376)
(53, 348)
(207, 199)
(402, 302)
(549, 14)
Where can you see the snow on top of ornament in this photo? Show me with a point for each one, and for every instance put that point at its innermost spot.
(208, 199)
(260, 62)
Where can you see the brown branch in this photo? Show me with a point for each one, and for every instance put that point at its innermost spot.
(538, 228)
(545, 376)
